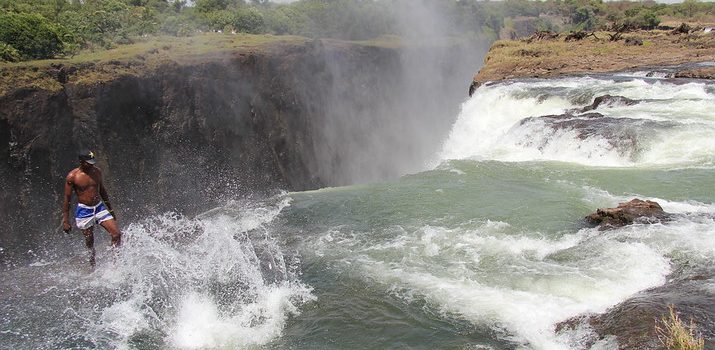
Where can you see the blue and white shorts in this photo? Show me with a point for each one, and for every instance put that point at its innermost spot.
(86, 216)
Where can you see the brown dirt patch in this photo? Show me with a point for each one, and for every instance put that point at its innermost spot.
(509, 59)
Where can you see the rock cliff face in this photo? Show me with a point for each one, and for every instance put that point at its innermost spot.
(185, 136)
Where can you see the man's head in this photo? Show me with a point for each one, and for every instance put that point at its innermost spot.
(86, 158)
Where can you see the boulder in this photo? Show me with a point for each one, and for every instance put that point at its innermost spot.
(627, 213)
(608, 101)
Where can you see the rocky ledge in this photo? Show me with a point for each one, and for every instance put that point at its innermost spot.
(634, 322)
(636, 210)
(544, 56)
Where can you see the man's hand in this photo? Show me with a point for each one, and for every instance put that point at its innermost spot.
(66, 227)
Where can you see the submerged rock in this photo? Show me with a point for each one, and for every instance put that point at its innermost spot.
(628, 213)
(622, 135)
(608, 101)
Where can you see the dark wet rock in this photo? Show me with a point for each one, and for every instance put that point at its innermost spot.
(627, 213)
(473, 87)
(696, 73)
(661, 74)
(622, 134)
(633, 322)
(608, 101)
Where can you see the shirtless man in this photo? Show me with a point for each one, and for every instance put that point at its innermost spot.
(93, 203)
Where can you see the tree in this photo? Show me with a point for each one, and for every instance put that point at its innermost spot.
(32, 35)
(648, 19)
(248, 20)
(584, 18)
(689, 7)
(211, 5)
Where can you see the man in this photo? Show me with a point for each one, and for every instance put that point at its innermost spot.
(93, 203)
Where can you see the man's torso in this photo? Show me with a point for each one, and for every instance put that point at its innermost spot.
(86, 185)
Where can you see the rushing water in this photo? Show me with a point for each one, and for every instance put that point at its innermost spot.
(486, 250)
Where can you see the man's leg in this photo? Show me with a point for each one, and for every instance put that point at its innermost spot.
(111, 227)
(89, 243)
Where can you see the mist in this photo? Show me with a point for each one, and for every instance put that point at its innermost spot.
(400, 129)
(297, 117)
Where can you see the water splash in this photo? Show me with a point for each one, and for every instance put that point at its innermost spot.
(217, 281)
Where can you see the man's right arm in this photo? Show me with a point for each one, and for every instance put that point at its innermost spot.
(66, 203)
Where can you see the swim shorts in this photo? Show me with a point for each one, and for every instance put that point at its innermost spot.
(86, 216)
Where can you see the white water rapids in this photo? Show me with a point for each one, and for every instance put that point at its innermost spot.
(485, 250)
(488, 128)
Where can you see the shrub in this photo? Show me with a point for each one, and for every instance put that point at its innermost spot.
(676, 335)
(32, 35)
(217, 20)
(8, 53)
(102, 22)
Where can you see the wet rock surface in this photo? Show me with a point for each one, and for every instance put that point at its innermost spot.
(624, 135)
(688, 289)
(633, 322)
(608, 101)
(621, 134)
(627, 213)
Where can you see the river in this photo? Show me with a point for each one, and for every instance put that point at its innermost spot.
(484, 249)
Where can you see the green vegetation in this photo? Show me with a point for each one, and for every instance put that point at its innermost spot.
(41, 29)
(676, 335)
(29, 36)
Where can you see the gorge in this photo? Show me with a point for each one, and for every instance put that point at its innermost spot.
(288, 115)
(325, 194)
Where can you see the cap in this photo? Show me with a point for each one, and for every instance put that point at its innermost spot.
(87, 156)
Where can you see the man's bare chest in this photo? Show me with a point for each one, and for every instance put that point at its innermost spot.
(84, 182)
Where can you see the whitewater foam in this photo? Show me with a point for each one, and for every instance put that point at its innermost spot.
(216, 281)
(676, 123)
(201, 324)
(519, 283)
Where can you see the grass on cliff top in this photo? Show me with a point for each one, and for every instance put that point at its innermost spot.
(147, 54)
(550, 57)
(133, 59)
(168, 47)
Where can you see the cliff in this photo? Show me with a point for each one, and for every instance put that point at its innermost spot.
(547, 55)
(184, 129)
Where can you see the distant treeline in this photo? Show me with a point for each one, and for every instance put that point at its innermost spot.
(38, 29)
